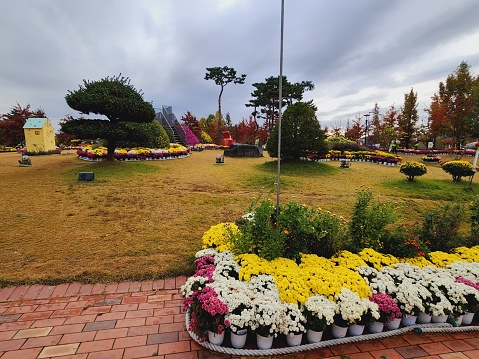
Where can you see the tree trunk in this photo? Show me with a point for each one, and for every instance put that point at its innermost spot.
(219, 116)
(111, 150)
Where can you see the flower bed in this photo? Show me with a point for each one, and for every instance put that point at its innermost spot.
(379, 157)
(283, 298)
(134, 154)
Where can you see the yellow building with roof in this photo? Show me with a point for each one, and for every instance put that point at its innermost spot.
(39, 135)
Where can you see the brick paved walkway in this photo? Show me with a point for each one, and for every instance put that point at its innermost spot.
(144, 320)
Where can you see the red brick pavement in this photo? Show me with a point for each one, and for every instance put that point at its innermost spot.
(144, 320)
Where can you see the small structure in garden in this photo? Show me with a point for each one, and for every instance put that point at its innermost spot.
(39, 135)
(243, 150)
(25, 161)
(227, 140)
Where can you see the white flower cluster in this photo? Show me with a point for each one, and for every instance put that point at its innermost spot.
(225, 265)
(429, 289)
(352, 308)
(206, 252)
(465, 270)
(292, 319)
(192, 284)
(321, 307)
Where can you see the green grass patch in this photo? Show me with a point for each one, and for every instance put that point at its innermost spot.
(298, 169)
(106, 170)
(432, 189)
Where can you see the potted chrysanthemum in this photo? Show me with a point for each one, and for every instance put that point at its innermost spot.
(292, 323)
(319, 312)
(207, 314)
(388, 311)
(353, 311)
(267, 319)
(472, 297)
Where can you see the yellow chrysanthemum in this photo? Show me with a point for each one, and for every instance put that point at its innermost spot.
(218, 236)
(468, 254)
(376, 259)
(417, 261)
(441, 259)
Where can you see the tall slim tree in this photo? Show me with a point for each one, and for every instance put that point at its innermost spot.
(407, 122)
(222, 76)
(460, 98)
(115, 98)
(11, 124)
(376, 125)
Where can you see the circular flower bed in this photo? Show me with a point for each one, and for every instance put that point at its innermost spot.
(285, 297)
(134, 154)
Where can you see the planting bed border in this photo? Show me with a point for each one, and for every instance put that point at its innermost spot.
(421, 328)
(134, 159)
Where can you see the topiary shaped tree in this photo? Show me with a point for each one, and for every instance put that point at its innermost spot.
(115, 98)
(413, 169)
(458, 169)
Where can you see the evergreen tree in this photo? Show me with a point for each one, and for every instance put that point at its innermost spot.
(301, 133)
(407, 122)
(115, 98)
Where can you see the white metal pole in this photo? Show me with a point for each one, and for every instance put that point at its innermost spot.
(278, 182)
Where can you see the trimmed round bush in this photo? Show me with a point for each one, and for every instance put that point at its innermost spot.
(458, 169)
(413, 169)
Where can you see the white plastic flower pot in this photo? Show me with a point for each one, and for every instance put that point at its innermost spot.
(394, 324)
(356, 330)
(408, 320)
(439, 318)
(294, 340)
(338, 332)
(424, 318)
(264, 342)
(468, 318)
(376, 327)
(238, 339)
(313, 336)
(215, 338)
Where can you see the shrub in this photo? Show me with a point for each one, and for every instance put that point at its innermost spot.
(310, 231)
(458, 169)
(260, 235)
(440, 228)
(368, 222)
(298, 229)
(301, 133)
(473, 238)
(413, 169)
(340, 143)
(404, 241)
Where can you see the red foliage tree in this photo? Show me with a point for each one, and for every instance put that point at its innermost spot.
(11, 124)
(245, 131)
(190, 121)
(355, 132)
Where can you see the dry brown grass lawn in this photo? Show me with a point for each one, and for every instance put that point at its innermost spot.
(144, 220)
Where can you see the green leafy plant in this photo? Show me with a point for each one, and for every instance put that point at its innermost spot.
(413, 169)
(458, 169)
(473, 238)
(440, 228)
(367, 224)
(297, 229)
(404, 241)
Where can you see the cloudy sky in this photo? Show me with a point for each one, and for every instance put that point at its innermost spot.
(356, 53)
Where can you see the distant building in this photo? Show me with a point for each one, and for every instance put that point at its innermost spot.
(39, 135)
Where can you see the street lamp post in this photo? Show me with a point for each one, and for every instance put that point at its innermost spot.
(366, 133)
